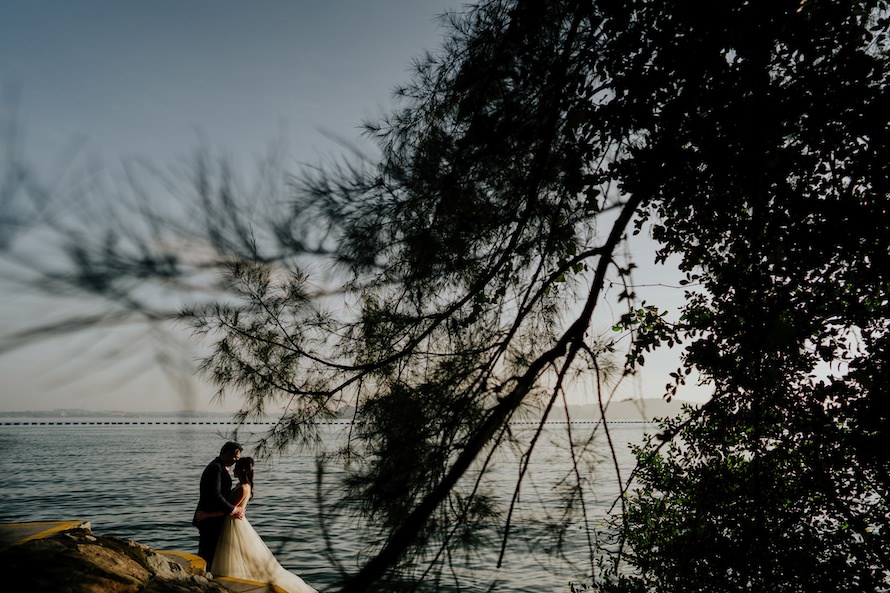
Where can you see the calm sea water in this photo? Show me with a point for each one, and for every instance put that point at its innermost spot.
(139, 481)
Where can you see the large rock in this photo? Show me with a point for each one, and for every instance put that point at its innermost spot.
(78, 561)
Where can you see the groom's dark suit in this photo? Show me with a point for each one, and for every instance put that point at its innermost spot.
(215, 486)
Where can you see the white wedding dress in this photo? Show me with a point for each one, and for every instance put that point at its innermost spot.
(241, 553)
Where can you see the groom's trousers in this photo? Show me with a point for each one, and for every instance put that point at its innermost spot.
(208, 536)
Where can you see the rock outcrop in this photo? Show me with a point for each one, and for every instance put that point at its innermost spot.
(78, 561)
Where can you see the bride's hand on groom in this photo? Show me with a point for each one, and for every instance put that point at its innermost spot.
(238, 512)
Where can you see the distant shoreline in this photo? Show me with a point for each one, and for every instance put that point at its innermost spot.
(261, 423)
(626, 411)
(79, 413)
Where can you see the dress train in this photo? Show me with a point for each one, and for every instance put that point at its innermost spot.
(241, 553)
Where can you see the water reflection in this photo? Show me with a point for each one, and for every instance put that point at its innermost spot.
(140, 482)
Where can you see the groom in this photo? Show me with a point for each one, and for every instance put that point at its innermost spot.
(215, 486)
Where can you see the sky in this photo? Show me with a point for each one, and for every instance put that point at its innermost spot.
(158, 79)
(145, 78)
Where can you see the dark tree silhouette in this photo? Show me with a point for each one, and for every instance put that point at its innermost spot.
(472, 255)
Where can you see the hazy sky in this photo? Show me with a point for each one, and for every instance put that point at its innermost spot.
(140, 77)
(159, 78)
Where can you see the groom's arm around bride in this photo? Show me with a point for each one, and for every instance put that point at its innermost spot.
(213, 504)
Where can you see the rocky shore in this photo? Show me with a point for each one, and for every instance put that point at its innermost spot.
(79, 561)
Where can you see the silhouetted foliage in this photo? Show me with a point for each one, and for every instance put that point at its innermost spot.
(472, 254)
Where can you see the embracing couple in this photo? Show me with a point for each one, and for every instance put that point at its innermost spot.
(228, 543)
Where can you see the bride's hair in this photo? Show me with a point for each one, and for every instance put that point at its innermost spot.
(246, 464)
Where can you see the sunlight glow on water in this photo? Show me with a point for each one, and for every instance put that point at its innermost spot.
(140, 482)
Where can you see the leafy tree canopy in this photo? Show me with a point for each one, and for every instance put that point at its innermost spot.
(751, 137)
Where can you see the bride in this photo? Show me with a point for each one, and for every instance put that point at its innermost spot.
(241, 553)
